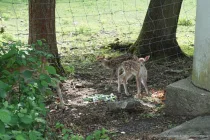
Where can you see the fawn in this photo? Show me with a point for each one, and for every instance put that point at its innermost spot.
(114, 63)
(136, 68)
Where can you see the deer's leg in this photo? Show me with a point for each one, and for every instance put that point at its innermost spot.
(119, 79)
(144, 83)
(138, 84)
(124, 80)
(112, 76)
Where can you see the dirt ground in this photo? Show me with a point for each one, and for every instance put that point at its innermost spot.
(83, 117)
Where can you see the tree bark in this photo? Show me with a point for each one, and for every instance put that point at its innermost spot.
(42, 26)
(158, 34)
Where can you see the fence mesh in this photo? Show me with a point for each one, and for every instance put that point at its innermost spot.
(86, 28)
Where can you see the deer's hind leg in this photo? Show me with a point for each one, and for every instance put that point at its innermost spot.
(119, 80)
(138, 84)
(124, 81)
(144, 83)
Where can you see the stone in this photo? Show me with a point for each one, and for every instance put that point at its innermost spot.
(129, 104)
(79, 85)
(198, 128)
(183, 98)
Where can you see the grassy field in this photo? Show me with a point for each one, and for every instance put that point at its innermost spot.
(83, 26)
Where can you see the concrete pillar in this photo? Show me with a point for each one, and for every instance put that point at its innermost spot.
(201, 60)
(183, 97)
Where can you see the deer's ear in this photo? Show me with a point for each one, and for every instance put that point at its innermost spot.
(147, 58)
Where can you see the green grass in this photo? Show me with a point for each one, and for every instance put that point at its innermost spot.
(185, 22)
(89, 24)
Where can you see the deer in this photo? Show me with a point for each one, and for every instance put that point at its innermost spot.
(133, 68)
(114, 63)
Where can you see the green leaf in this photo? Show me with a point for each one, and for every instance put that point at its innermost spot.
(23, 110)
(104, 136)
(45, 77)
(59, 125)
(14, 120)
(5, 104)
(49, 56)
(3, 93)
(48, 91)
(44, 83)
(27, 74)
(54, 82)
(24, 62)
(51, 69)
(103, 131)
(26, 119)
(66, 136)
(2, 128)
(5, 115)
(76, 137)
(15, 132)
(3, 85)
(32, 59)
(9, 54)
(97, 134)
(90, 137)
(5, 137)
(11, 62)
(20, 115)
(32, 135)
(20, 137)
(6, 72)
(39, 42)
(63, 131)
(4, 88)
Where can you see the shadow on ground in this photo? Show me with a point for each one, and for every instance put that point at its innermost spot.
(83, 117)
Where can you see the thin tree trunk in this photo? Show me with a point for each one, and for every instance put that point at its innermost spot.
(158, 33)
(42, 26)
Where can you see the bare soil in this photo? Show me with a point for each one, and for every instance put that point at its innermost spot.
(83, 118)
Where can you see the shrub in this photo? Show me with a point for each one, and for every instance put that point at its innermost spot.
(67, 134)
(22, 94)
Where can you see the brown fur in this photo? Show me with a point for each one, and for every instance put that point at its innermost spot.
(114, 63)
(136, 68)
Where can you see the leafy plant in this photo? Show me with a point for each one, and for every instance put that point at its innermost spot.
(66, 134)
(100, 97)
(98, 135)
(69, 69)
(23, 87)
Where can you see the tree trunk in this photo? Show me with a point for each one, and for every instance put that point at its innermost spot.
(42, 26)
(158, 34)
